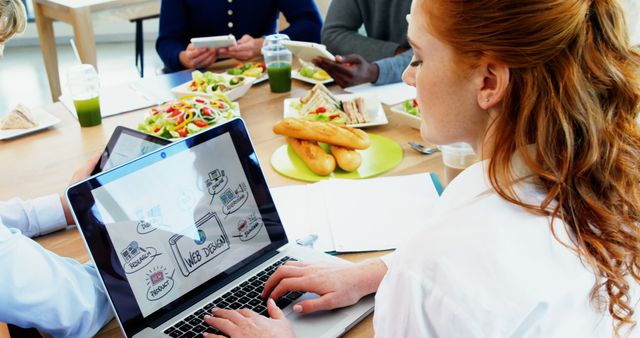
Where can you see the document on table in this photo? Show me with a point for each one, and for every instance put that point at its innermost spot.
(115, 100)
(357, 215)
(388, 94)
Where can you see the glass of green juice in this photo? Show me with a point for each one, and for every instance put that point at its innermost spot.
(278, 61)
(84, 86)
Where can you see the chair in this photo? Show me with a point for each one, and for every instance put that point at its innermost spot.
(139, 57)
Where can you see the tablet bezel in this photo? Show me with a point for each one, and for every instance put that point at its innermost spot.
(219, 41)
(113, 141)
(307, 51)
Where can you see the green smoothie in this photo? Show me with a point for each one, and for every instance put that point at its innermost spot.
(88, 112)
(279, 77)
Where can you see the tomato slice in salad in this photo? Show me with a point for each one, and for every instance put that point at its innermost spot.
(200, 123)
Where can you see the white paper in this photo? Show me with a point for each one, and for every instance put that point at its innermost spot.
(114, 100)
(387, 94)
(378, 214)
(302, 210)
(357, 215)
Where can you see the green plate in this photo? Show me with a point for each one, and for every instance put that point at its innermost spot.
(383, 155)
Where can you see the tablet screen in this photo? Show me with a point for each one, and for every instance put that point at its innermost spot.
(125, 145)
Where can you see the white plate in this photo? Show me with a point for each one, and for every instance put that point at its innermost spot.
(406, 118)
(262, 78)
(233, 94)
(374, 109)
(296, 75)
(41, 117)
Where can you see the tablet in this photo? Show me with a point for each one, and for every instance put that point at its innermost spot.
(214, 41)
(125, 145)
(307, 51)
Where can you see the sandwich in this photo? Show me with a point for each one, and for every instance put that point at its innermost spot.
(19, 118)
(319, 100)
(355, 110)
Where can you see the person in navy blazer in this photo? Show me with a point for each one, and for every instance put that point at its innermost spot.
(248, 20)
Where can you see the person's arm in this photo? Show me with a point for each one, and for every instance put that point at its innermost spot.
(390, 69)
(35, 217)
(304, 20)
(340, 33)
(172, 34)
(55, 295)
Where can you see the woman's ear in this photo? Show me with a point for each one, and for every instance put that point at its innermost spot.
(494, 80)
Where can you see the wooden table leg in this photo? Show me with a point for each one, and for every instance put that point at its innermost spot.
(83, 32)
(48, 48)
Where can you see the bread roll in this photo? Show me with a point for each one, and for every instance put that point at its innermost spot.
(327, 132)
(313, 156)
(348, 159)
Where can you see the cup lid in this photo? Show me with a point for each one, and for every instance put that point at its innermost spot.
(272, 42)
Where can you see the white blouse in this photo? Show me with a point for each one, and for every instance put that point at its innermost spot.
(483, 267)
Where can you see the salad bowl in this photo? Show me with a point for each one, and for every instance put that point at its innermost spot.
(207, 83)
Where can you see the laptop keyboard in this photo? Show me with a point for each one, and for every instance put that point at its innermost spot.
(244, 296)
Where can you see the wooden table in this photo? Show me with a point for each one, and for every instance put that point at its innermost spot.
(42, 163)
(77, 13)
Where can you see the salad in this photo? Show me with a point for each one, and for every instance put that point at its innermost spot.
(411, 107)
(189, 115)
(314, 73)
(209, 82)
(253, 69)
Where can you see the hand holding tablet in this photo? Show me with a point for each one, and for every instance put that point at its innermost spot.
(307, 51)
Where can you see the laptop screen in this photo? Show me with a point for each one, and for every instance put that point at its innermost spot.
(186, 216)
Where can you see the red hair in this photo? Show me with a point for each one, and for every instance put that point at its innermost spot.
(574, 97)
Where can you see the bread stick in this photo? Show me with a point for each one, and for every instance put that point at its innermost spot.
(348, 159)
(327, 132)
(313, 156)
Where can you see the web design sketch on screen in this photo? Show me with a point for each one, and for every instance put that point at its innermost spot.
(173, 232)
(207, 242)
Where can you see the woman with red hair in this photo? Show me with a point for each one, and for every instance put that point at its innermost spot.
(542, 237)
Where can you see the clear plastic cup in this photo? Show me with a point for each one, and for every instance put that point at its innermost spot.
(456, 157)
(278, 61)
(84, 87)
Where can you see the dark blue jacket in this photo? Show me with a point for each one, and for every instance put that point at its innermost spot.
(181, 20)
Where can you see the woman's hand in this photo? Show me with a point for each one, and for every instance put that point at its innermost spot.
(246, 48)
(246, 323)
(337, 285)
(194, 57)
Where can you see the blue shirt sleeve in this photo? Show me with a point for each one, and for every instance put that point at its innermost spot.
(391, 68)
(304, 20)
(42, 290)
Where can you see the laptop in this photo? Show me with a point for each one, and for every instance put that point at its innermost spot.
(189, 227)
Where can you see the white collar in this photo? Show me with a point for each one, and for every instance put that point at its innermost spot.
(473, 182)
(469, 184)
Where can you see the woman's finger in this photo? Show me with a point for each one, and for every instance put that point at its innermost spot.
(248, 313)
(291, 284)
(274, 310)
(325, 302)
(231, 315)
(222, 324)
(282, 272)
(211, 335)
